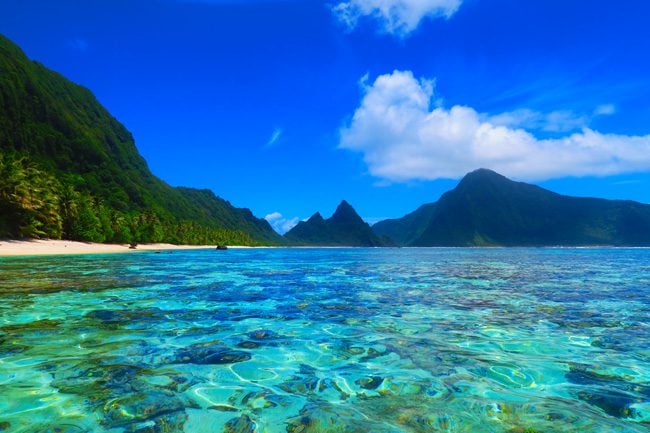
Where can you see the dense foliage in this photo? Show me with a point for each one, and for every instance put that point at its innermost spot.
(344, 228)
(488, 209)
(35, 204)
(70, 170)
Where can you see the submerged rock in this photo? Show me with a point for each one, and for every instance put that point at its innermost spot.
(60, 428)
(413, 418)
(371, 382)
(101, 381)
(141, 407)
(209, 353)
(373, 353)
(223, 408)
(263, 334)
(167, 423)
(11, 348)
(323, 418)
(259, 400)
(242, 424)
(107, 316)
(37, 328)
(313, 420)
(249, 344)
(355, 350)
(311, 386)
(614, 403)
(520, 429)
(611, 393)
(299, 385)
(114, 318)
(129, 396)
(581, 375)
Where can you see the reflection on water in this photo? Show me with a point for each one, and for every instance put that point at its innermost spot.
(327, 340)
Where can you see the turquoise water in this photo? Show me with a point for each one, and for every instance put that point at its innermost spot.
(327, 340)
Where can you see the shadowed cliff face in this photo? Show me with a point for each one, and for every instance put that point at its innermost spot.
(344, 228)
(489, 209)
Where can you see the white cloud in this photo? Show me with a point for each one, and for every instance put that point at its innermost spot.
(399, 17)
(281, 224)
(555, 121)
(605, 110)
(403, 138)
(275, 136)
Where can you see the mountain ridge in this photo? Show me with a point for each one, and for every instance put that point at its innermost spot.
(344, 228)
(488, 209)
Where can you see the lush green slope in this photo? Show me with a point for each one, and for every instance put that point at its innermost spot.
(344, 228)
(489, 209)
(69, 169)
(411, 226)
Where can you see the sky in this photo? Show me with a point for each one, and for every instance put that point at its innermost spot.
(289, 106)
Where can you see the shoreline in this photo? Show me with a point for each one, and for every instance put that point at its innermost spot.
(51, 247)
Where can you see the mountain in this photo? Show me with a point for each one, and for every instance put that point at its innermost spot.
(68, 169)
(344, 228)
(403, 230)
(488, 209)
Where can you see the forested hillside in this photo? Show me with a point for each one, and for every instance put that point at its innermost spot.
(68, 169)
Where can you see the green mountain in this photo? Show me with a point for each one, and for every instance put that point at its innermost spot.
(68, 169)
(488, 209)
(344, 228)
(403, 230)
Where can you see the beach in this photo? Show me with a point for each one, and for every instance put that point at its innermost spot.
(49, 247)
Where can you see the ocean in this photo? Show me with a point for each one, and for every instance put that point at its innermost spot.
(502, 340)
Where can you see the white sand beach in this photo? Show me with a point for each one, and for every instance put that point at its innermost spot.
(56, 247)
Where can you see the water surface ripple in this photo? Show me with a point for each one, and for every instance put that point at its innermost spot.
(327, 340)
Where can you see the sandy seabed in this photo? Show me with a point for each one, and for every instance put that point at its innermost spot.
(56, 247)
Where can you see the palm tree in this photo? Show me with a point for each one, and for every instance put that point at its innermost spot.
(69, 208)
(28, 199)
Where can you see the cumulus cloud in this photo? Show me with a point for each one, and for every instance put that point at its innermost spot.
(281, 224)
(399, 17)
(402, 137)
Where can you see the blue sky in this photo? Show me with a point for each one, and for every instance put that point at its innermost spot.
(289, 106)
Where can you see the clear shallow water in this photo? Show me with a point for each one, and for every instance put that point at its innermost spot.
(327, 340)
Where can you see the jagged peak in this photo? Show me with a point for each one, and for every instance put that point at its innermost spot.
(344, 204)
(345, 211)
(316, 217)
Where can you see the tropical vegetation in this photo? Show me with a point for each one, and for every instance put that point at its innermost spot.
(68, 169)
